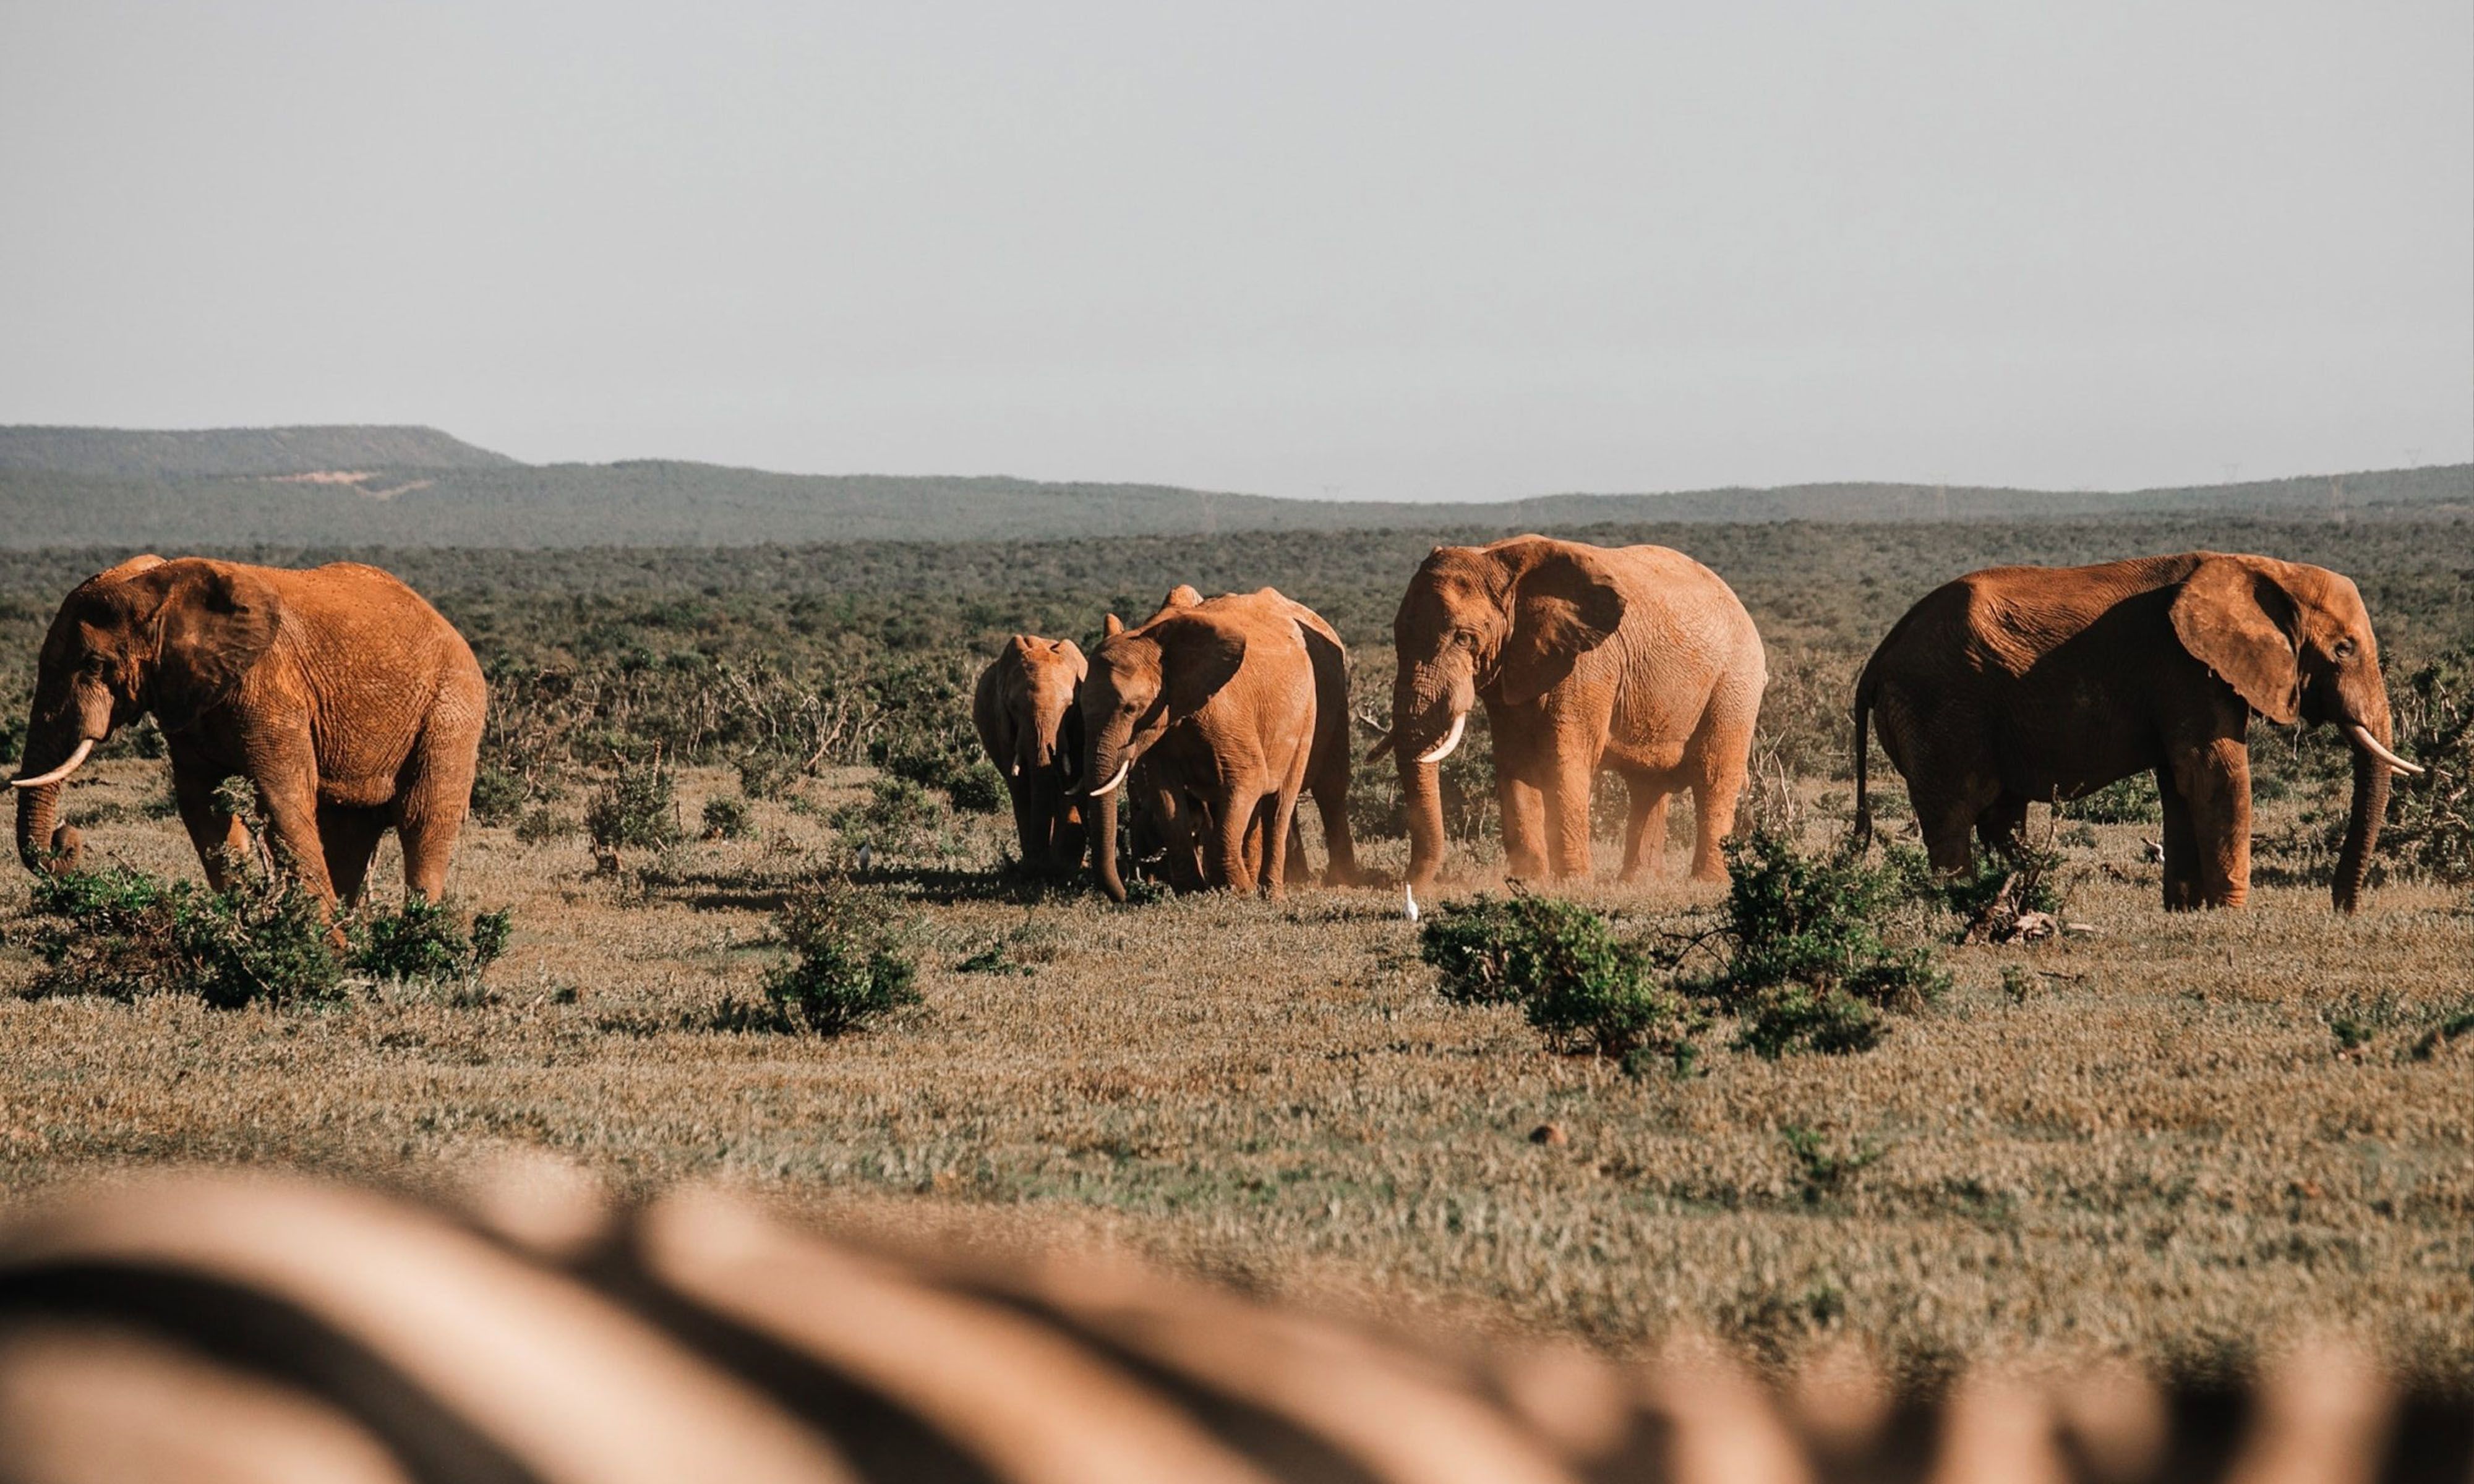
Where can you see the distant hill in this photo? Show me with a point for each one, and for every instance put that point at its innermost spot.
(122, 453)
(363, 487)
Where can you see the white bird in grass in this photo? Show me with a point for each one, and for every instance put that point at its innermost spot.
(865, 856)
(1409, 894)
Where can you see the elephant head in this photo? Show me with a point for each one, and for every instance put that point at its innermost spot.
(149, 635)
(1510, 620)
(2296, 644)
(1143, 682)
(1040, 727)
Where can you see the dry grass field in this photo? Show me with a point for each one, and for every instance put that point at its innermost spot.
(2179, 1138)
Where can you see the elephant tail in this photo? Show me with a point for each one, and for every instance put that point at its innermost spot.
(1860, 836)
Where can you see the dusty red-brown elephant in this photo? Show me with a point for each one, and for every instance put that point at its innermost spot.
(350, 704)
(1028, 713)
(2025, 683)
(1217, 701)
(1634, 658)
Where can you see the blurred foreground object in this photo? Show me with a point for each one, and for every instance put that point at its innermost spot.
(218, 1328)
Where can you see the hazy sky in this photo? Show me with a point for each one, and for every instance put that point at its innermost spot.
(1396, 251)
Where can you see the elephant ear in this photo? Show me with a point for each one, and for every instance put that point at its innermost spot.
(2236, 621)
(1113, 625)
(1197, 657)
(214, 623)
(1563, 606)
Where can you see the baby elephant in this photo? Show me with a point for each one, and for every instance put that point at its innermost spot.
(1027, 710)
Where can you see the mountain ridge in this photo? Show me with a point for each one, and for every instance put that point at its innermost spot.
(349, 486)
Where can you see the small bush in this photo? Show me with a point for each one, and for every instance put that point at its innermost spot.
(969, 780)
(1809, 968)
(848, 964)
(726, 818)
(900, 818)
(420, 941)
(1821, 1169)
(542, 824)
(499, 795)
(768, 774)
(1576, 982)
(635, 810)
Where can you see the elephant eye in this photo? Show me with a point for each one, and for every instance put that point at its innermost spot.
(2345, 648)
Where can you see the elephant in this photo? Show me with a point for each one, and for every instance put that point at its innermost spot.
(1218, 699)
(1634, 658)
(1327, 766)
(1027, 710)
(348, 702)
(2022, 684)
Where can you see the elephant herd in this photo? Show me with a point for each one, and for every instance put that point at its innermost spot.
(352, 707)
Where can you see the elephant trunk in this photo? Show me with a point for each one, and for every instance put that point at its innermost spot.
(53, 746)
(2363, 823)
(1421, 791)
(1104, 845)
(36, 808)
(1107, 766)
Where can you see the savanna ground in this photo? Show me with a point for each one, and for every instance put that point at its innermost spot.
(2176, 1139)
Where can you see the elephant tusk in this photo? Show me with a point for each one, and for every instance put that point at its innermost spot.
(2364, 739)
(85, 746)
(1110, 787)
(1013, 769)
(1451, 741)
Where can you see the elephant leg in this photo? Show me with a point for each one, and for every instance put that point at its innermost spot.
(434, 794)
(1645, 828)
(1339, 841)
(220, 840)
(2215, 784)
(2181, 845)
(1300, 870)
(1225, 863)
(1713, 820)
(1030, 822)
(350, 838)
(1280, 824)
(2004, 827)
(1947, 822)
(1567, 817)
(292, 829)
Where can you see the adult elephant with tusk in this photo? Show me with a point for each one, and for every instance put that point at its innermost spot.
(1029, 715)
(347, 700)
(1214, 703)
(1634, 658)
(2020, 684)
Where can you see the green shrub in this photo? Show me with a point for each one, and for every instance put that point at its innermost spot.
(954, 768)
(848, 964)
(1821, 1169)
(978, 788)
(1577, 983)
(636, 808)
(899, 818)
(768, 774)
(420, 941)
(1809, 966)
(499, 795)
(727, 817)
(543, 822)
(124, 934)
